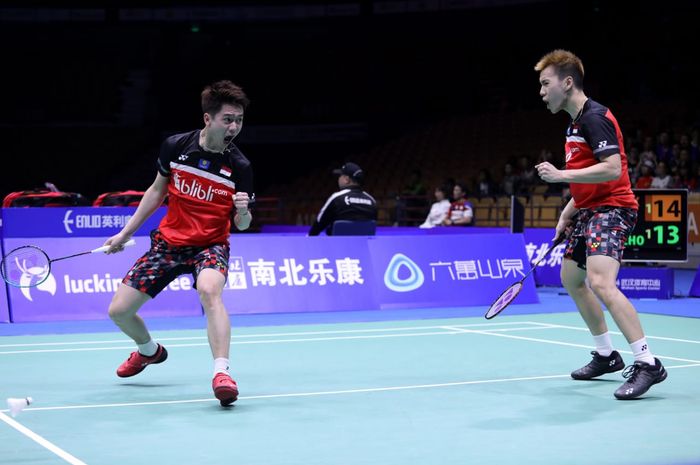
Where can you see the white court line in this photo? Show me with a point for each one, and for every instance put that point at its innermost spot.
(547, 341)
(316, 393)
(241, 336)
(581, 328)
(40, 440)
(442, 332)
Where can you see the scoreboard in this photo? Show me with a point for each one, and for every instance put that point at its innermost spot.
(661, 233)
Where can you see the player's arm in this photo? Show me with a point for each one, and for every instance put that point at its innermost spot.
(565, 219)
(608, 168)
(243, 217)
(151, 201)
(601, 135)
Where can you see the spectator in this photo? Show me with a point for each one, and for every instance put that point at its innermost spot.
(663, 147)
(412, 201)
(510, 182)
(662, 180)
(648, 150)
(527, 174)
(349, 203)
(695, 145)
(461, 212)
(633, 164)
(484, 184)
(645, 176)
(439, 209)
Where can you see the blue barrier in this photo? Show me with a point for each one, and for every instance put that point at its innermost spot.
(270, 273)
(4, 304)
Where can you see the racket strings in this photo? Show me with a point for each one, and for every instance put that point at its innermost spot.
(25, 267)
(504, 300)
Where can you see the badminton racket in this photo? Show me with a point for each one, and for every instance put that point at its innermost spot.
(514, 289)
(29, 265)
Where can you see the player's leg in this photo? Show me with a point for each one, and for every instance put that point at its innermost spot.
(149, 275)
(609, 230)
(602, 275)
(122, 310)
(210, 285)
(605, 358)
(573, 278)
(211, 272)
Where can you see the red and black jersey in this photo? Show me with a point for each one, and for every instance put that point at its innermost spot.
(593, 135)
(201, 189)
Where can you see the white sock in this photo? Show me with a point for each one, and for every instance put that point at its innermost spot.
(641, 352)
(603, 344)
(148, 349)
(220, 365)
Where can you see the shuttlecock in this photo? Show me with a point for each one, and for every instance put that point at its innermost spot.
(16, 405)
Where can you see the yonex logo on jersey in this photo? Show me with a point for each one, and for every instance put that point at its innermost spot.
(602, 144)
(183, 157)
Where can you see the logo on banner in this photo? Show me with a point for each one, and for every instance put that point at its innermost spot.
(33, 274)
(393, 281)
(93, 221)
(236, 274)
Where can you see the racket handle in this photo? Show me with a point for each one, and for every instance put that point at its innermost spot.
(105, 248)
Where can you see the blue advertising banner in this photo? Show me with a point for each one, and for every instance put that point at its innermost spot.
(299, 274)
(695, 287)
(645, 282)
(431, 271)
(73, 221)
(4, 303)
(81, 288)
(537, 242)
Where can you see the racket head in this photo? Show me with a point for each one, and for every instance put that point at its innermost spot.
(26, 266)
(504, 300)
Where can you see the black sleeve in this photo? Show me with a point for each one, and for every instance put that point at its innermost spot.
(600, 134)
(167, 151)
(325, 217)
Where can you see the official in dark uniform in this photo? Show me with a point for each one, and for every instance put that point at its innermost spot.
(349, 203)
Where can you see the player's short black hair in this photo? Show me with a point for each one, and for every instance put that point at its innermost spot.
(219, 93)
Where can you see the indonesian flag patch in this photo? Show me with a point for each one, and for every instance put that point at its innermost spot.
(225, 171)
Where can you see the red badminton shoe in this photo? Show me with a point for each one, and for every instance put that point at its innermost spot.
(137, 362)
(225, 389)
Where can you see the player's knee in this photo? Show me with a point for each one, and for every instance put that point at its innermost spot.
(117, 312)
(208, 292)
(601, 286)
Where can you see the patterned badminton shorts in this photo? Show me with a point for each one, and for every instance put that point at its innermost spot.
(164, 262)
(600, 231)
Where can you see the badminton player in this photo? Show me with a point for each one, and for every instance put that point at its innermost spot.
(601, 213)
(209, 184)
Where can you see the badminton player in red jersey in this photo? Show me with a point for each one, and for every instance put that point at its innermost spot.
(600, 215)
(209, 184)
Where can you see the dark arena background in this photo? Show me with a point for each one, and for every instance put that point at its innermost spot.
(383, 356)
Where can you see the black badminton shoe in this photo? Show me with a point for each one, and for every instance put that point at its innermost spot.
(599, 366)
(137, 362)
(640, 377)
